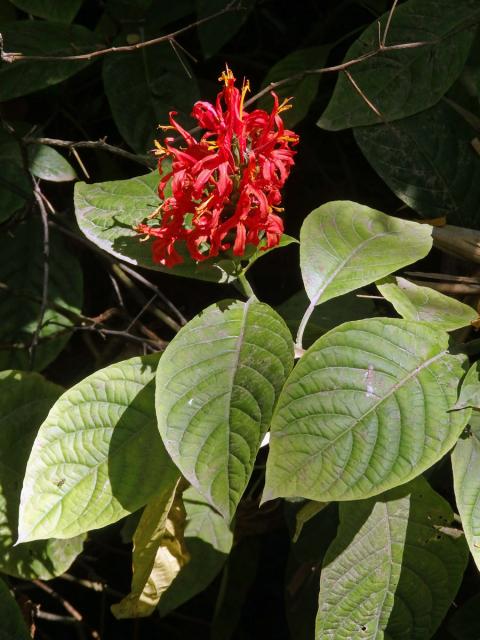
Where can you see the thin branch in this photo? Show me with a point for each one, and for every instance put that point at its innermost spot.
(93, 144)
(338, 67)
(11, 57)
(389, 20)
(367, 101)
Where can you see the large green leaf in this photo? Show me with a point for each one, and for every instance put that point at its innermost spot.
(156, 83)
(159, 553)
(35, 37)
(469, 395)
(466, 481)
(215, 33)
(403, 82)
(13, 625)
(25, 399)
(63, 11)
(414, 302)
(393, 569)
(107, 213)
(217, 385)
(21, 270)
(97, 456)
(365, 409)
(429, 162)
(209, 540)
(302, 90)
(345, 245)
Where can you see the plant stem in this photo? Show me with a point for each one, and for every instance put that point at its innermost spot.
(301, 328)
(243, 285)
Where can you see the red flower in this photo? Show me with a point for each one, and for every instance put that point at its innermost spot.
(226, 186)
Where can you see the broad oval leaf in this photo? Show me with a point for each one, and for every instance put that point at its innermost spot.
(393, 569)
(429, 163)
(365, 409)
(414, 302)
(209, 540)
(403, 82)
(21, 273)
(213, 34)
(466, 482)
(303, 89)
(469, 395)
(46, 163)
(157, 84)
(97, 457)
(13, 624)
(25, 399)
(107, 213)
(345, 245)
(217, 384)
(39, 38)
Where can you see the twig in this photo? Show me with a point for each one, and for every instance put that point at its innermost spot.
(54, 617)
(93, 144)
(389, 20)
(17, 56)
(367, 101)
(66, 605)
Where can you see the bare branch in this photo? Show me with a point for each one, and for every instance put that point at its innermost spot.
(367, 101)
(17, 56)
(387, 26)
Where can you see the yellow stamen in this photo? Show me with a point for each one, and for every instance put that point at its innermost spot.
(155, 213)
(285, 105)
(245, 88)
(227, 76)
(165, 127)
(279, 209)
(288, 138)
(201, 208)
(160, 149)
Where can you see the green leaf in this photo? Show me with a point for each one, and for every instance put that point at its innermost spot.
(365, 409)
(63, 11)
(466, 482)
(21, 270)
(159, 553)
(403, 82)
(326, 316)
(13, 625)
(429, 163)
(97, 457)
(393, 569)
(25, 399)
(414, 302)
(345, 245)
(470, 389)
(209, 540)
(34, 37)
(48, 164)
(304, 89)
(107, 213)
(217, 384)
(156, 83)
(15, 189)
(215, 33)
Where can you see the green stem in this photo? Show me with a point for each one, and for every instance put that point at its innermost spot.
(303, 324)
(244, 286)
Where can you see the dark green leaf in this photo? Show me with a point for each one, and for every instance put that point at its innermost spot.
(403, 82)
(21, 270)
(365, 409)
(13, 625)
(35, 37)
(217, 384)
(61, 11)
(215, 33)
(25, 399)
(97, 457)
(465, 622)
(394, 568)
(303, 90)
(142, 87)
(429, 162)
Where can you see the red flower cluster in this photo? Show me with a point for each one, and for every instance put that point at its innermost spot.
(226, 186)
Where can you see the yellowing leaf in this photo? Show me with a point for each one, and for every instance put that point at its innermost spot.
(159, 553)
